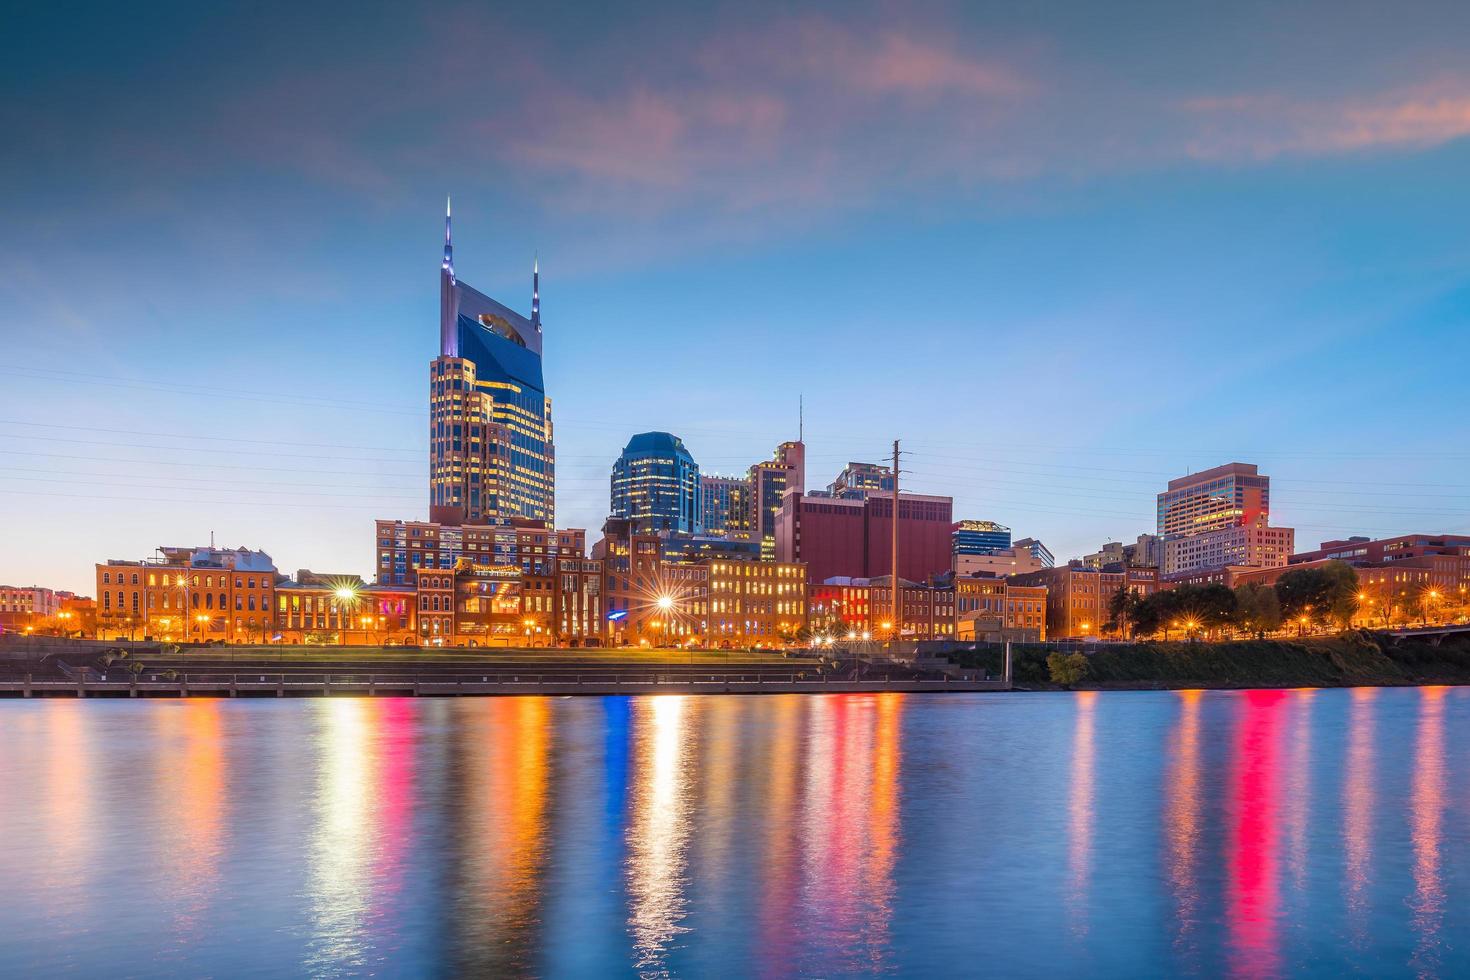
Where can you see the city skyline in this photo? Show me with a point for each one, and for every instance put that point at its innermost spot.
(237, 346)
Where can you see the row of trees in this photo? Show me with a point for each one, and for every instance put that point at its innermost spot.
(1304, 597)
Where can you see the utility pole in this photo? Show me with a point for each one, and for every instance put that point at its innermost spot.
(897, 608)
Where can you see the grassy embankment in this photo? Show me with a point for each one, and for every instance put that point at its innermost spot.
(1349, 660)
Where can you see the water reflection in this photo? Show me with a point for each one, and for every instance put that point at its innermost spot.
(1297, 802)
(1427, 809)
(1358, 793)
(1079, 809)
(1248, 833)
(191, 794)
(659, 834)
(777, 839)
(501, 825)
(1253, 899)
(340, 844)
(1182, 816)
(848, 834)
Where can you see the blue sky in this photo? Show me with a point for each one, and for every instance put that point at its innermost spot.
(1064, 252)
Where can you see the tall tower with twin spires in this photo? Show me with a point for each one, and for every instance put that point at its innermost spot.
(492, 458)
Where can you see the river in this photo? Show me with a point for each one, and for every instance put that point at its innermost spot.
(1303, 833)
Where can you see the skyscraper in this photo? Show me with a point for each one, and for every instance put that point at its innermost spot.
(769, 481)
(1233, 495)
(1220, 517)
(655, 484)
(491, 453)
(725, 507)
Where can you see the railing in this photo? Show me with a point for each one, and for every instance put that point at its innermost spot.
(86, 682)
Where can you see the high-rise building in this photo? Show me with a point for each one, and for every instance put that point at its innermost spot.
(656, 485)
(1233, 495)
(1218, 517)
(491, 453)
(979, 537)
(769, 481)
(725, 507)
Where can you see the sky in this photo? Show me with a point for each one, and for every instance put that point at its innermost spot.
(1063, 251)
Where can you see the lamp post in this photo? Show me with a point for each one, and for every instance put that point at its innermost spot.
(665, 605)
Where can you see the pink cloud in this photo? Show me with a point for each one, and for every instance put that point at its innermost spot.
(1263, 127)
(758, 117)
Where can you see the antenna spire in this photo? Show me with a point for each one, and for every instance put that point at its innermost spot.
(448, 266)
(448, 294)
(536, 291)
(801, 417)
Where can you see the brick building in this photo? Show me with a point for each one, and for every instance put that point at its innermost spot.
(187, 594)
(1077, 597)
(853, 538)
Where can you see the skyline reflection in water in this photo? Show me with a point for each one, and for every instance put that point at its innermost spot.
(1247, 834)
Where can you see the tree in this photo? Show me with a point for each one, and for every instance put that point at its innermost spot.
(1121, 609)
(1257, 609)
(1211, 606)
(1066, 669)
(1327, 593)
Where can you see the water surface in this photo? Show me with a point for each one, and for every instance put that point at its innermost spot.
(1120, 834)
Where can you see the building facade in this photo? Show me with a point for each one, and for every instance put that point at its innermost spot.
(1038, 551)
(857, 480)
(1077, 597)
(404, 548)
(835, 536)
(725, 507)
(656, 484)
(979, 537)
(1404, 546)
(188, 595)
(1232, 495)
(1254, 545)
(853, 608)
(770, 480)
(342, 610)
(1007, 561)
(992, 609)
(492, 456)
(29, 607)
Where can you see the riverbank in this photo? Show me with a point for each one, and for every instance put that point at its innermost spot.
(60, 668)
(1360, 659)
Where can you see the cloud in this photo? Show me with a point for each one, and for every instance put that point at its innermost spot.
(805, 111)
(1262, 127)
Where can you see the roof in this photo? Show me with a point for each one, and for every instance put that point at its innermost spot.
(655, 443)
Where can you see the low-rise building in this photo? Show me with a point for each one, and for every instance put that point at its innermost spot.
(990, 609)
(187, 594)
(1001, 562)
(845, 607)
(326, 609)
(1077, 597)
(29, 607)
(405, 547)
